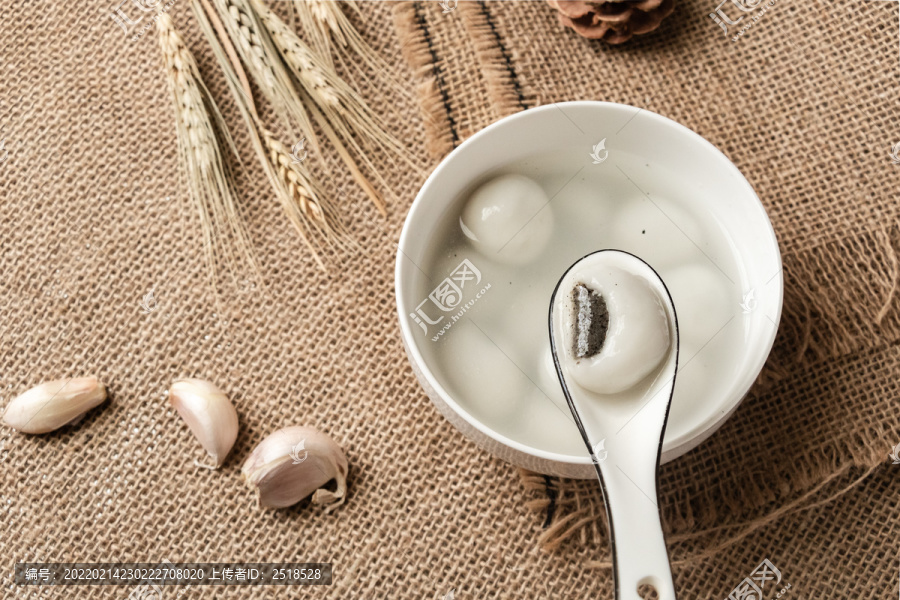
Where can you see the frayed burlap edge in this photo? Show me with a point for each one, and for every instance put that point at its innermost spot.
(838, 298)
(577, 512)
(504, 85)
(441, 134)
(693, 547)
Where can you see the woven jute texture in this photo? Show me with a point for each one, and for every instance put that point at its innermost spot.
(95, 215)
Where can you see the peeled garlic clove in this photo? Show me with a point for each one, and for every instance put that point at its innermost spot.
(52, 404)
(209, 415)
(293, 463)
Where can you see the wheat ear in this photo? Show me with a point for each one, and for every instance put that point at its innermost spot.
(320, 23)
(293, 185)
(258, 52)
(335, 97)
(200, 128)
(301, 197)
(325, 22)
(344, 109)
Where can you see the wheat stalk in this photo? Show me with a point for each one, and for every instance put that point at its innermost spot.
(293, 185)
(199, 129)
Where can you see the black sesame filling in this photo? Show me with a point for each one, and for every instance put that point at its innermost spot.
(591, 321)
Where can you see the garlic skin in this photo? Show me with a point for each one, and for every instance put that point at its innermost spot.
(209, 415)
(294, 462)
(52, 404)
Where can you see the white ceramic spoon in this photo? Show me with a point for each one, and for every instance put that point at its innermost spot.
(624, 434)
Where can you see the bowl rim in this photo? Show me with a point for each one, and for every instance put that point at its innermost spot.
(705, 428)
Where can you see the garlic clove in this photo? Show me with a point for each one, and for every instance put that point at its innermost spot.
(294, 463)
(209, 415)
(52, 404)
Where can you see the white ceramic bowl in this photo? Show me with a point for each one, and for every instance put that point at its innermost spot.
(717, 186)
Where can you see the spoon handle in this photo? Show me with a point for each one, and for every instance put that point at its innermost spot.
(638, 547)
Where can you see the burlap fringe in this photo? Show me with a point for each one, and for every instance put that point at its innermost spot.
(839, 298)
(504, 85)
(440, 130)
(585, 515)
(802, 503)
(574, 509)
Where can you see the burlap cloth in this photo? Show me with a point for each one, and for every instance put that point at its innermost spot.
(95, 214)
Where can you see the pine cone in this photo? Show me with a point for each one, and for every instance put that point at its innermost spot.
(613, 21)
